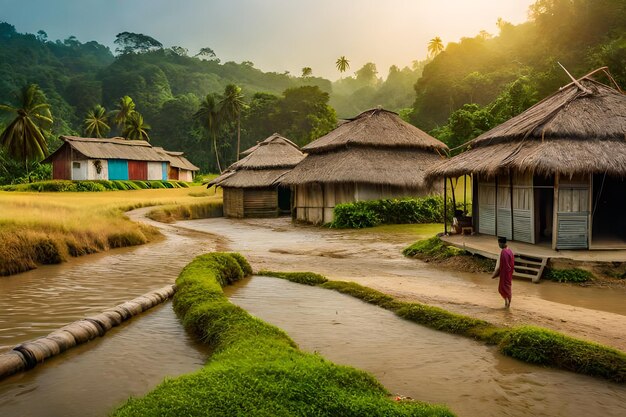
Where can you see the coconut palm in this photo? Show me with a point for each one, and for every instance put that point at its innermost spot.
(342, 64)
(96, 122)
(23, 138)
(125, 108)
(307, 72)
(231, 106)
(135, 128)
(435, 46)
(208, 116)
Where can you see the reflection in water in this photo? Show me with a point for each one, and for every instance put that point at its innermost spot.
(411, 360)
(95, 378)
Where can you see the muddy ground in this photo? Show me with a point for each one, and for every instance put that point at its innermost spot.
(373, 258)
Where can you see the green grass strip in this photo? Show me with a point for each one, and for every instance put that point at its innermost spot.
(306, 278)
(255, 368)
(527, 343)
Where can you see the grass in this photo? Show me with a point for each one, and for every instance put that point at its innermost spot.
(171, 213)
(432, 249)
(424, 229)
(43, 228)
(527, 343)
(305, 278)
(255, 368)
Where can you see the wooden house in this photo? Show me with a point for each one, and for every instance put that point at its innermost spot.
(250, 186)
(180, 169)
(555, 174)
(372, 156)
(106, 159)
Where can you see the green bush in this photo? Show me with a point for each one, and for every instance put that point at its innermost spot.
(156, 184)
(92, 185)
(388, 211)
(255, 368)
(568, 275)
(89, 186)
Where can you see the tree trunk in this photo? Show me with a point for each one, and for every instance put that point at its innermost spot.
(217, 156)
(238, 135)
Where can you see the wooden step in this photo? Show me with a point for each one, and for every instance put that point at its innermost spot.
(529, 267)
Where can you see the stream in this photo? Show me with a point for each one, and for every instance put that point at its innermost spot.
(95, 378)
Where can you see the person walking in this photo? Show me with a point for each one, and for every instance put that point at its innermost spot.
(504, 269)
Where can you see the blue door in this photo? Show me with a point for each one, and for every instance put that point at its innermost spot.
(164, 170)
(118, 169)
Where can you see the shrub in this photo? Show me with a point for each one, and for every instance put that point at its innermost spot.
(89, 186)
(568, 275)
(156, 184)
(388, 211)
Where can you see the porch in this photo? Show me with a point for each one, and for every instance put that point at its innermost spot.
(487, 246)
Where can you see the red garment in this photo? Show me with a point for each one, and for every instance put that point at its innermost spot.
(507, 263)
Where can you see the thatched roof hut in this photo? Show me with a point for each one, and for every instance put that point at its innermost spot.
(374, 155)
(180, 167)
(561, 157)
(250, 185)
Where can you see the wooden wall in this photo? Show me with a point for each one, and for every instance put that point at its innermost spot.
(233, 202)
(137, 170)
(250, 202)
(62, 164)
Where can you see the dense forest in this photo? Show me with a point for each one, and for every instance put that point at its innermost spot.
(464, 89)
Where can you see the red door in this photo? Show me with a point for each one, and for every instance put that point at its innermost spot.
(137, 170)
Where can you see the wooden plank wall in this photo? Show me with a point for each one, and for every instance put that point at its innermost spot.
(137, 170)
(573, 213)
(233, 202)
(62, 164)
(259, 202)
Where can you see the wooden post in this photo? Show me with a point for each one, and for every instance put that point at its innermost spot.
(496, 206)
(590, 214)
(445, 206)
(465, 194)
(511, 193)
(555, 211)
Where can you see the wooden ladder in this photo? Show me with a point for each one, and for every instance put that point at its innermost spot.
(527, 266)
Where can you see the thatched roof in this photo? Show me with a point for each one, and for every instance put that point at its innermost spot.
(376, 147)
(111, 148)
(264, 165)
(177, 160)
(392, 167)
(375, 128)
(579, 129)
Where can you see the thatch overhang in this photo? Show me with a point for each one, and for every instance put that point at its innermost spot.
(579, 129)
(177, 159)
(111, 148)
(377, 128)
(364, 165)
(264, 165)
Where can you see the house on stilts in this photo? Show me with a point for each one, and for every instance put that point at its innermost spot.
(555, 175)
(250, 185)
(372, 156)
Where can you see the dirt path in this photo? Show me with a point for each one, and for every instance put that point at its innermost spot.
(374, 259)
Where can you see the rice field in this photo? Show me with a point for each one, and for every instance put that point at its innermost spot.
(44, 228)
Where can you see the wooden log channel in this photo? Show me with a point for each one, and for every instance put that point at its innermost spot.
(27, 355)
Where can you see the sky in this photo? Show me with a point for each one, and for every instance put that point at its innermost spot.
(276, 35)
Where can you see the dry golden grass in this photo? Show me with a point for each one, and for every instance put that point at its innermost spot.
(44, 228)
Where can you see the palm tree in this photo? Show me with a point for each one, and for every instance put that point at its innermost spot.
(208, 115)
(135, 128)
(231, 106)
(125, 108)
(342, 64)
(435, 46)
(307, 72)
(24, 137)
(96, 123)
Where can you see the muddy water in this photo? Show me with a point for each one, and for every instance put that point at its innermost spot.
(130, 360)
(411, 360)
(95, 378)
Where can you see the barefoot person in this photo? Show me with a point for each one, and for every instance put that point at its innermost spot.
(504, 268)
